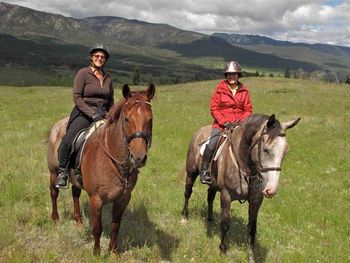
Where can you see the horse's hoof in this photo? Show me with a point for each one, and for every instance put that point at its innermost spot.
(184, 221)
(115, 252)
(223, 248)
(54, 218)
(210, 219)
(97, 251)
(78, 220)
(251, 255)
(79, 224)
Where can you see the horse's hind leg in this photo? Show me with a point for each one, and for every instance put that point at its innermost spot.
(211, 197)
(76, 195)
(118, 210)
(190, 179)
(54, 195)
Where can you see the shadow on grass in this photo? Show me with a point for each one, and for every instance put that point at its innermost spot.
(137, 231)
(237, 234)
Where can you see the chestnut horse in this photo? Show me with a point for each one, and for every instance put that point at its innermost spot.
(111, 160)
(247, 169)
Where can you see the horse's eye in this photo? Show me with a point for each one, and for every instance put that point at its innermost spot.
(126, 119)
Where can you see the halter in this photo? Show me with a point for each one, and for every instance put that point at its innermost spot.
(137, 134)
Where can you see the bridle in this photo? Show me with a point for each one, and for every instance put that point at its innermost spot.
(259, 167)
(127, 139)
(258, 164)
(137, 134)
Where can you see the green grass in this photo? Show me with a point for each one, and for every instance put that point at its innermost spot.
(308, 220)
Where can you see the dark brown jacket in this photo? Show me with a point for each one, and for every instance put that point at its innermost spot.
(89, 95)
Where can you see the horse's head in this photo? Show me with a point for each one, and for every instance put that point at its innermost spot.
(136, 117)
(268, 149)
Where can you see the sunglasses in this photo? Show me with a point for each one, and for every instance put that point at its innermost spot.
(97, 56)
(232, 74)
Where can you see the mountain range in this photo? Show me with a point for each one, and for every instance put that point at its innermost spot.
(329, 57)
(44, 48)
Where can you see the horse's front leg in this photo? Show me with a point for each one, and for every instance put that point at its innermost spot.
(190, 179)
(54, 195)
(76, 195)
(211, 197)
(225, 201)
(95, 213)
(254, 206)
(118, 210)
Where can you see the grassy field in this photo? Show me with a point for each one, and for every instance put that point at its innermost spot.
(308, 220)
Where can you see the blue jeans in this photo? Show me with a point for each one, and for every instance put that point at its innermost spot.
(214, 137)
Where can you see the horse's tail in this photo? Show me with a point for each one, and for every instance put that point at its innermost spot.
(47, 136)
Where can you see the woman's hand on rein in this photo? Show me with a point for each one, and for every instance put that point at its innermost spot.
(230, 125)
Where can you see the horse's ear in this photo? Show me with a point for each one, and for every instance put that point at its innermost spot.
(271, 121)
(290, 124)
(150, 91)
(126, 91)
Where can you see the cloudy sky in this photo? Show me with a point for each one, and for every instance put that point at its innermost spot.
(309, 21)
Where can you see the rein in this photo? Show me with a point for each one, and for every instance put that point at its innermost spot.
(114, 160)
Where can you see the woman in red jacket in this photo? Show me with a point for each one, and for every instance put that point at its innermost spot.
(229, 105)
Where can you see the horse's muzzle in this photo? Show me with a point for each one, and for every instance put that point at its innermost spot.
(138, 161)
(269, 192)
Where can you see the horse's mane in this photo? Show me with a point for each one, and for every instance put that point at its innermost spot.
(254, 122)
(251, 126)
(114, 113)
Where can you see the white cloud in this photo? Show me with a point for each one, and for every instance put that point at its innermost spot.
(308, 21)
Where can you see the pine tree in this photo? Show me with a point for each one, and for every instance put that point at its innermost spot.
(347, 81)
(137, 76)
(286, 73)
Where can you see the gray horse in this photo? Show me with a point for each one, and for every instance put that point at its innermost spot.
(248, 168)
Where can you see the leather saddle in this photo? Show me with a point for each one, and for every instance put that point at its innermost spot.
(78, 147)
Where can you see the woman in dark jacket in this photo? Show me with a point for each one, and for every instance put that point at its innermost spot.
(229, 105)
(93, 97)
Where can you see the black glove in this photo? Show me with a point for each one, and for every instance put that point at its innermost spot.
(97, 117)
(101, 111)
(231, 125)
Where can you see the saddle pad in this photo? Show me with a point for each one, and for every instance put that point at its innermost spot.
(201, 151)
(80, 142)
(94, 127)
(218, 151)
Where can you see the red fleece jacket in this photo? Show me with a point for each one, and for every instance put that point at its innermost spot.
(227, 108)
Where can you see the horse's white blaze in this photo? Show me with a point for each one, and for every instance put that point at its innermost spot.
(274, 158)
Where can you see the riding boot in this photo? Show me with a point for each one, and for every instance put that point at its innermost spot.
(63, 158)
(204, 173)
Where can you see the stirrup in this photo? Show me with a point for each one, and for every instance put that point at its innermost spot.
(62, 186)
(205, 177)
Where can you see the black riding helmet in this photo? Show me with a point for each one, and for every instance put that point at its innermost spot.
(99, 47)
